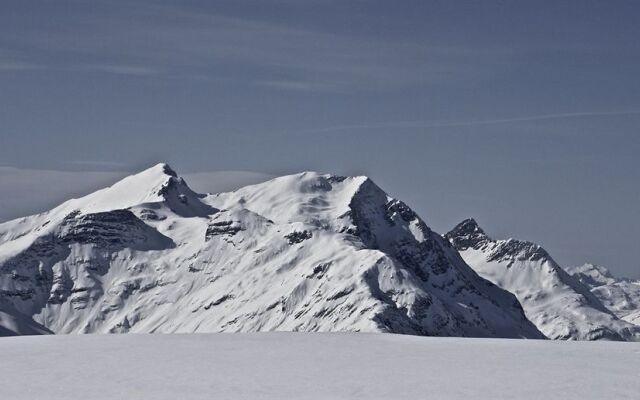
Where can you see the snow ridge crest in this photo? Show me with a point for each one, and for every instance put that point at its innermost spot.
(304, 252)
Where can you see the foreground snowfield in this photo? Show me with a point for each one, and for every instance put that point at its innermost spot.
(313, 366)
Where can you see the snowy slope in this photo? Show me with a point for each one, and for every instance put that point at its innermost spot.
(314, 366)
(559, 305)
(306, 252)
(620, 295)
(633, 317)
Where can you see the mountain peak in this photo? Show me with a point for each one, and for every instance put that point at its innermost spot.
(470, 226)
(160, 171)
(166, 168)
(467, 234)
(306, 196)
(156, 184)
(147, 186)
(593, 275)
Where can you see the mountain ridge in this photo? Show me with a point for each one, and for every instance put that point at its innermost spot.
(620, 295)
(304, 252)
(559, 305)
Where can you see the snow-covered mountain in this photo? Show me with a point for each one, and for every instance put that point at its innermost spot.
(305, 252)
(620, 295)
(557, 303)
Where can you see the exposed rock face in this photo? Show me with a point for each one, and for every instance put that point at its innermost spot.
(468, 234)
(111, 229)
(219, 228)
(305, 252)
(298, 237)
(559, 305)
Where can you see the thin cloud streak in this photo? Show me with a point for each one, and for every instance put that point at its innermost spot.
(444, 124)
(171, 41)
(13, 66)
(132, 70)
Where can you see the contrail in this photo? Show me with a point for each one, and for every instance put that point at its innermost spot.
(437, 124)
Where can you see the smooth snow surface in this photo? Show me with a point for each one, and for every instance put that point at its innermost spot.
(313, 366)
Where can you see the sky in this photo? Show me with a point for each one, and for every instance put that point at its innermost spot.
(523, 114)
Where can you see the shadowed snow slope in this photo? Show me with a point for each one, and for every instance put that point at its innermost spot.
(305, 252)
(314, 366)
(13, 323)
(620, 295)
(559, 305)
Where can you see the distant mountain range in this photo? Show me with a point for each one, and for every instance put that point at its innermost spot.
(620, 295)
(304, 252)
(556, 302)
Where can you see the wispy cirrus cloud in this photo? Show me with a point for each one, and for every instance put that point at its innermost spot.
(17, 64)
(98, 165)
(13, 66)
(494, 121)
(300, 85)
(132, 70)
(173, 41)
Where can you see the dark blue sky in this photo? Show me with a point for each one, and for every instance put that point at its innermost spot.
(522, 114)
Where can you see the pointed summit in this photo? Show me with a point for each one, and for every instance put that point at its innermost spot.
(470, 226)
(148, 186)
(166, 168)
(467, 234)
(157, 184)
